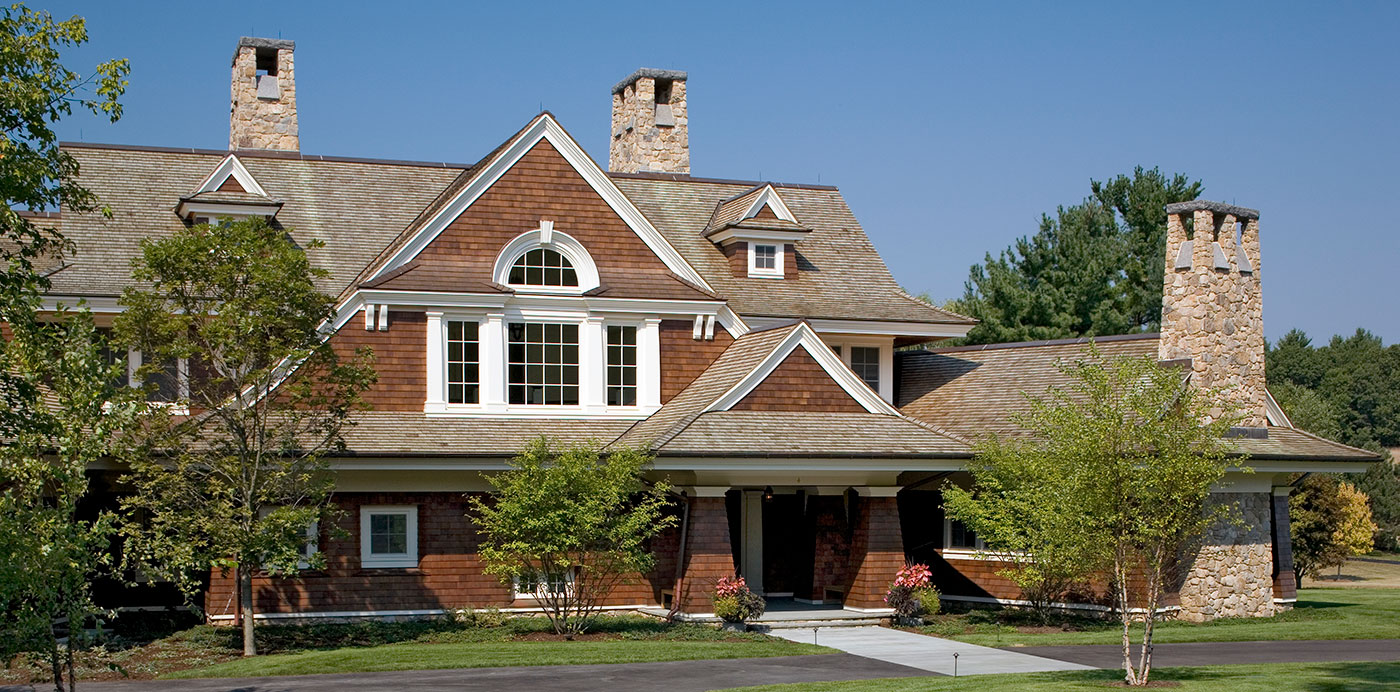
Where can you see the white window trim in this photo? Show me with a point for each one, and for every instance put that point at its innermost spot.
(886, 346)
(519, 595)
(493, 341)
(408, 559)
(547, 238)
(134, 361)
(776, 272)
(978, 552)
(312, 544)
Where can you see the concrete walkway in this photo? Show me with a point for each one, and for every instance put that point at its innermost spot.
(1226, 653)
(924, 652)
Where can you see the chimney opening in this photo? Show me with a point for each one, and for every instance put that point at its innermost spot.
(663, 91)
(1188, 223)
(266, 59)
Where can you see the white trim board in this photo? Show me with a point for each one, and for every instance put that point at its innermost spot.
(768, 196)
(867, 327)
(544, 127)
(231, 166)
(803, 335)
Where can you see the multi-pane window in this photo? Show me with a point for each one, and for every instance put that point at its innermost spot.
(962, 537)
(765, 257)
(117, 356)
(865, 362)
(463, 363)
(166, 381)
(388, 536)
(543, 267)
(538, 584)
(622, 366)
(543, 364)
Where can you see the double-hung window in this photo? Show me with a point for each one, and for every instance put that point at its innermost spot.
(388, 536)
(538, 584)
(463, 363)
(765, 260)
(865, 362)
(959, 536)
(543, 364)
(622, 365)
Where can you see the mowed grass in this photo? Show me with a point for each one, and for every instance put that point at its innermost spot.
(1292, 677)
(1330, 613)
(493, 654)
(522, 641)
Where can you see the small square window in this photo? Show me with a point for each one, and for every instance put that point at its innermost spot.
(388, 536)
(765, 260)
(865, 362)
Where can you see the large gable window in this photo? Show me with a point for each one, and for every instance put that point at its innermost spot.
(543, 364)
(543, 267)
(622, 365)
(463, 362)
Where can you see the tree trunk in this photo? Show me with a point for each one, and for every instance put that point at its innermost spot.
(1121, 577)
(245, 606)
(54, 661)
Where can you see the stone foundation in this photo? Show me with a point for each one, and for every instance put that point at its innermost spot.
(1232, 574)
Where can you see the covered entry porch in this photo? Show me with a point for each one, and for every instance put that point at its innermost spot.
(814, 548)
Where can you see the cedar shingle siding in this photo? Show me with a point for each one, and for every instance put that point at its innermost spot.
(799, 384)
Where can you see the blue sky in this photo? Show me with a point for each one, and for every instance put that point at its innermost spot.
(949, 127)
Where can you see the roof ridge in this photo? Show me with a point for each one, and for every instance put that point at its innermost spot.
(261, 153)
(1033, 344)
(686, 178)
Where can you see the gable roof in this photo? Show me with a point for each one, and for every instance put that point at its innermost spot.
(543, 128)
(975, 391)
(744, 209)
(704, 409)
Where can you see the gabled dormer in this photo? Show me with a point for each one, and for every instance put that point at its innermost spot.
(228, 191)
(758, 233)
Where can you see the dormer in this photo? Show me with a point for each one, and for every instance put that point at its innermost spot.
(229, 191)
(758, 233)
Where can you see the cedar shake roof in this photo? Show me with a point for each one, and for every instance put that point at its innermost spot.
(974, 391)
(355, 206)
(840, 275)
(394, 433)
(684, 426)
(730, 214)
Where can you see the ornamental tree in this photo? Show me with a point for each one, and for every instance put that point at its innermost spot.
(1122, 453)
(235, 484)
(566, 525)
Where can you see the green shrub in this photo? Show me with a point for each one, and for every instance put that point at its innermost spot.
(742, 606)
(929, 601)
(727, 609)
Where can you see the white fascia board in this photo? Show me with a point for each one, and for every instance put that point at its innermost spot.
(732, 323)
(546, 128)
(770, 197)
(1305, 466)
(500, 301)
(803, 336)
(1275, 414)
(868, 327)
(231, 166)
(799, 464)
(218, 209)
(757, 235)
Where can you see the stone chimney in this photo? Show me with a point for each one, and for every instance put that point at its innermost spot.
(1212, 312)
(649, 131)
(264, 96)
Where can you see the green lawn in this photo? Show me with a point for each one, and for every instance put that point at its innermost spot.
(1295, 677)
(490, 654)
(1372, 613)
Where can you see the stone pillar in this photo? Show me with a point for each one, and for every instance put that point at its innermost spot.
(650, 126)
(1232, 573)
(708, 553)
(877, 548)
(263, 112)
(1212, 310)
(1285, 578)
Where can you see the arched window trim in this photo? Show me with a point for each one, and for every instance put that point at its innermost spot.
(550, 239)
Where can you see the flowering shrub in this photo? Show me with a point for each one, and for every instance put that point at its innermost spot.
(912, 594)
(734, 602)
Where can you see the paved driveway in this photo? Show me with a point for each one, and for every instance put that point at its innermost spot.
(674, 676)
(926, 653)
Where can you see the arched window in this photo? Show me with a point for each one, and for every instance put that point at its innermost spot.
(543, 267)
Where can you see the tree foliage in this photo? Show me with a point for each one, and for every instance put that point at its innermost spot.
(1122, 456)
(1322, 524)
(569, 524)
(236, 484)
(1093, 269)
(54, 386)
(1347, 390)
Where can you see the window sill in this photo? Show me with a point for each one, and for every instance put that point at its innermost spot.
(765, 275)
(527, 411)
(400, 563)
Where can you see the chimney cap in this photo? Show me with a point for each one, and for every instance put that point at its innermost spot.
(652, 72)
(277, 43)
(1214, 207)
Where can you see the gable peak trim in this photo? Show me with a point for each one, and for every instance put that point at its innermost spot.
(543, 128)
(231, 167)
(769, 197)
(803, 335)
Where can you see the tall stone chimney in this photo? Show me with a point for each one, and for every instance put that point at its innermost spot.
(649, 132)
(1212, 311)
(264, 96)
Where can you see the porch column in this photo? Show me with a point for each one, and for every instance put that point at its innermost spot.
(877, 547)
(1285, 579)
(708, 555)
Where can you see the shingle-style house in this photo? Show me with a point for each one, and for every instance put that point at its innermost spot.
(746, 332)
